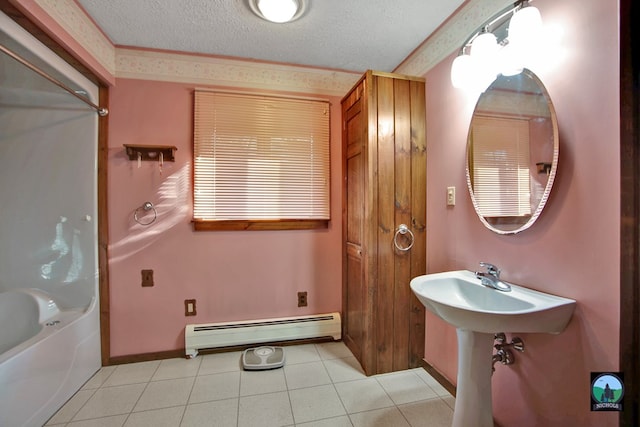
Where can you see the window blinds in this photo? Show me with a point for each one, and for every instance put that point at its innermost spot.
(260, 158)
(501, 166)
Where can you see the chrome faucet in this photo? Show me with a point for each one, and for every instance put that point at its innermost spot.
(491, 277)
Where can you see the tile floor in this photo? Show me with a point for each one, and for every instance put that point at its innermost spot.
(320, 385)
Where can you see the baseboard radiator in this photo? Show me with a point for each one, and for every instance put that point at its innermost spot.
(218, 335)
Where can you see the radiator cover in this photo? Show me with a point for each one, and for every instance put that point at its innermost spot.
(217, 335)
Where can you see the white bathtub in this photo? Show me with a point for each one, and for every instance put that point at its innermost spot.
(46, 355)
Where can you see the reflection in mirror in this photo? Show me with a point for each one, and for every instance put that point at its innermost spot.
(512, 152)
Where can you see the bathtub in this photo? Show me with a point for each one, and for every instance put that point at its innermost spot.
(46, 355)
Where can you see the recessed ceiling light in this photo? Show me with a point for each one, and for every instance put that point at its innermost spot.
(278, 11)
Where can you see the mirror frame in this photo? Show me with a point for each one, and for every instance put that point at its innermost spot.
(552, 172)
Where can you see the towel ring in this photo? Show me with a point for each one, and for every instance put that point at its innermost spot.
(146, 207)
(402, 230)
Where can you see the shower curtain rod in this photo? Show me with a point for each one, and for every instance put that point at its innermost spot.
(100, 110)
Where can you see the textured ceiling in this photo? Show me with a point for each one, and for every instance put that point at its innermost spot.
(353, 35)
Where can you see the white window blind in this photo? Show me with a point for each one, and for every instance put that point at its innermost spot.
(260, 158)
(501, 167)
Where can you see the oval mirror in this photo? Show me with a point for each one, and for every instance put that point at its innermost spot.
(512, 152)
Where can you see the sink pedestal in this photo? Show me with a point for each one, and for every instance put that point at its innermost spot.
(473, 394)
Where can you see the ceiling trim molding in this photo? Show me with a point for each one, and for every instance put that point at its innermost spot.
(133, 63)
(450, 36)
(198, 69)
(74, 20)
(138, 63)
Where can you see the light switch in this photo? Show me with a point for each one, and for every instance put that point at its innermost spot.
(451, 196)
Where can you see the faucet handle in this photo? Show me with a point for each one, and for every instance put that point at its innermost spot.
(491, 269)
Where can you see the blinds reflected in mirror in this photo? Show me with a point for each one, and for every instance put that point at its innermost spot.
(499, 166)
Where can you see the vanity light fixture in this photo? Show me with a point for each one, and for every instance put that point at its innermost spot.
(278, 11)
(499, 46)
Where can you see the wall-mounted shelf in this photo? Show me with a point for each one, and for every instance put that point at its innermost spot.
(150, 152)
(544, 167)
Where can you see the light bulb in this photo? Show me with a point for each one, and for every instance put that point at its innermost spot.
(461, 70)
(278, 11)
(510, 60)
(525, 26)
(485, 46)
(484, 51)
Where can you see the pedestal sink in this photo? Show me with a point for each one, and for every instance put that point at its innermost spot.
(478, 312)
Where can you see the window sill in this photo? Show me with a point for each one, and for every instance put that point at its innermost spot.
(279, 224)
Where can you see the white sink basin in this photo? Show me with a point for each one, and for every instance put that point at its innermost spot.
(460, 299)
(478, 312)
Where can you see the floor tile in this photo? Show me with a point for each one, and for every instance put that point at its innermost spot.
(111, 401)
(167, 417)
(215, 387)
(114, 421)
(261, 382)
(265, 410)
(304, 353)
(306, 375)
(321, 385)
(405, 387)
(73, 405)
(98, 379)
(164, 394)
(222, 413)
(220, 362)
(132, 373)
(315, 403)
(431, 382)
(176, 368)
(342, 421)
(333, 350)
(428, 413)
(347, 369)
(363, 395)
(386, 417)
(450, 401)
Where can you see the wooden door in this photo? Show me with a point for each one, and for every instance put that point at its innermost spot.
(385, 179)
(354, 290)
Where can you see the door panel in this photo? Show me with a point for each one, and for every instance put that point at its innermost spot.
(355, 293)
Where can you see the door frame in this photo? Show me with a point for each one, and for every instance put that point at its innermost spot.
(629, 212)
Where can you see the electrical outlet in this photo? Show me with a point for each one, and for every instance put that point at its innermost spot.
(147, 278)
(302, 299)
(190, 307)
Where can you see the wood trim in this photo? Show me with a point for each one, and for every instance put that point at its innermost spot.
(397, 76)
(283, 224)
(419, 215)
(369, 360)
(145, 357)
(103, 230)
(629, 213)
(442, 380)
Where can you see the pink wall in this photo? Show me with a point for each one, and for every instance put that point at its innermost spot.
(235, 275)
(573, 249)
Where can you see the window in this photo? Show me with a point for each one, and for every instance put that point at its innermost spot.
(260, 162)
(501, 167)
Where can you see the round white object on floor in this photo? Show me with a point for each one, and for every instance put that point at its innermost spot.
(261, 358)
